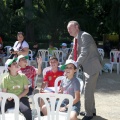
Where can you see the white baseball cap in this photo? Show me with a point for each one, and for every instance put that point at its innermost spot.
(71, 61)
(9, 62)
(21, 56)
(64, 44)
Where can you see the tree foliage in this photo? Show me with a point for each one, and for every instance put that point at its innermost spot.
(44, 20)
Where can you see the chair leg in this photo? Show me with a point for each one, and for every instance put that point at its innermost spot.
(117, 68)
(111, 67)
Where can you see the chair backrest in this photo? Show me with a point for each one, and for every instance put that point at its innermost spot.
(31, 54)
(114, 56)
(4, 97)
(81, 85)
(45, 70)
(44, 54)
(53, 108)
(57, 80)
(7, 48)
(101, 52)
(59, 54)
(79, 73)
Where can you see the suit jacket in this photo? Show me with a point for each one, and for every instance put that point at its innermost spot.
(88, 55)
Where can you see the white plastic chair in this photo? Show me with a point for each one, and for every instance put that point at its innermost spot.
(59, 54)
(101, 52)
(31, 56)
(44, 55)
(15, 114)
(79, 73)
(8, 53)
(115, 60)
(35, 84)
(53, 114)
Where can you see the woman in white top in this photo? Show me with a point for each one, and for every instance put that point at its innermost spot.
(20, 47)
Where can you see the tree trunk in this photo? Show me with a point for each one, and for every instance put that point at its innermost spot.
(29, 19)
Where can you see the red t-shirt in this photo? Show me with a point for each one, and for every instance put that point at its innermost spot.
(30, 72)
(51, 76)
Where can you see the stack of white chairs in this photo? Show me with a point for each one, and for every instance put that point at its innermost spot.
(52, 113)
(115, 60)
(15, 114)
(59, 55)
(45, 56)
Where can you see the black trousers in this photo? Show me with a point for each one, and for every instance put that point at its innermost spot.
(24, 107)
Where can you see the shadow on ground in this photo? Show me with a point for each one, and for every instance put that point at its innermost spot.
(97, 118)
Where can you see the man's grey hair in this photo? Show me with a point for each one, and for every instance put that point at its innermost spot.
(74, 22)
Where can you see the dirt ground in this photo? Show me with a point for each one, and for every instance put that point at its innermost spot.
(107, 96)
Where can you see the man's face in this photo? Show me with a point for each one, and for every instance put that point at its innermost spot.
(72, 29)
(53, 63)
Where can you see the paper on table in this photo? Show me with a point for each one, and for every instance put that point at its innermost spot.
(49, 89)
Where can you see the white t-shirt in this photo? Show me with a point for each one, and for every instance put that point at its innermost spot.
(17, 45)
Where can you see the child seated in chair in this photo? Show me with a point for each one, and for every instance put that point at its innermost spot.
(17, 84)
(50, 76)
(70, 85)
(29, 71)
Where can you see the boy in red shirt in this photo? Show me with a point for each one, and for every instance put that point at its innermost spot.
(51, 75)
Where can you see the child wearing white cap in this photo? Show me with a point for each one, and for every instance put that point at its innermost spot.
(70, 85)
(17, 84)
(29, 71)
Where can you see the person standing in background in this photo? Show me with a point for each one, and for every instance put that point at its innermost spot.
(51, 48)
(65, 51)
(85, 53)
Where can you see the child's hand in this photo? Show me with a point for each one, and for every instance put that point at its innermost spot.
(41, 90)
(60, 90)
(39, 61)
(9, 99)
(62, 109)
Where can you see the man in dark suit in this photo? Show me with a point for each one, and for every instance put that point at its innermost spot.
(88, 58)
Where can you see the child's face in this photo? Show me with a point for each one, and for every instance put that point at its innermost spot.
(70, 70)
(22, 62)
(63, 47)
(53, 63)
(14, 66)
